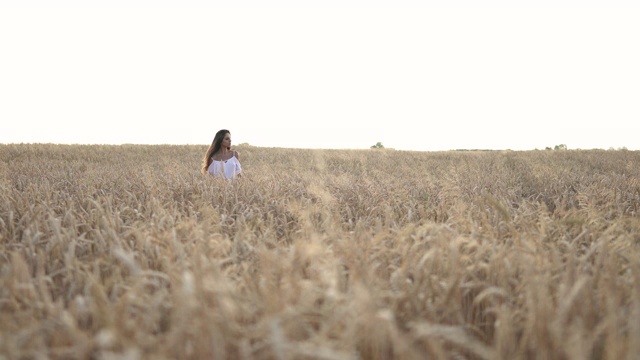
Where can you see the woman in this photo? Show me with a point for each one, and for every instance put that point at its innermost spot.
(220, 160)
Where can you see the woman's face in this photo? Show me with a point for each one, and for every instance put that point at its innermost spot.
(226, 142)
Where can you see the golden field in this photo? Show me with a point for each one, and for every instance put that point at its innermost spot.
(128, 252)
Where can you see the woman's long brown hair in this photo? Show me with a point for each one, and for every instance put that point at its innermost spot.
(216, 144)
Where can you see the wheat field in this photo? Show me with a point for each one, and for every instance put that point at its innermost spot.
(128, 252)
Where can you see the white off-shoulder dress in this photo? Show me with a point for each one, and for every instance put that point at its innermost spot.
(229, 169)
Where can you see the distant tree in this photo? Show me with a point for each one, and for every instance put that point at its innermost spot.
(378, 145)
(560, 147)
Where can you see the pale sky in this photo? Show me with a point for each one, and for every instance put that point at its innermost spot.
(414, 75)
